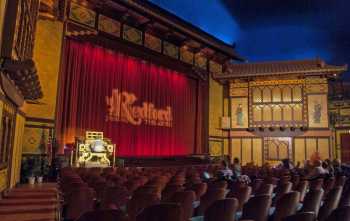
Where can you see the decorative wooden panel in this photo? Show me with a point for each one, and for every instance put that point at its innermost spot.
(277, 148)
(323, 148)
(278, 105)
(215, 67)
(17, 150)
(7, 133)
(35, 139)
(246, 151)
(257, 152)
(317, 111)
(216, 148)
(132, 34)
(186, 56)
(25, 29)
(239, 112)
(236, 148)
(109, 25)
(200, 61)
(152, 42)
(311, 147)
(238, 89)
(299, 150)
(82, 15)
(3, 179)
(170, 49)
(225, 122)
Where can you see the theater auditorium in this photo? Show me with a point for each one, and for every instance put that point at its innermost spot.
(174, 110)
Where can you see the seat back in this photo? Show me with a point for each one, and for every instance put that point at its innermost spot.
(80, 200)
(217, 184)
(340, 214)
(265, 189)
(312, 201)
(169, 191)
(210, 197)
(345, 198)
(257, 208)
(200, 189)
(242, 194)
(223, 210)
(302, 188)
(328, 185)
(286, 205)
(295, 180)
(185, 199)
(256, 184)
(139, 202)
(103, 215)
(316, 184)
(330, 203)
(340, 181)
(161, 212)
(282, 189)
(115, 197)
(304, 216)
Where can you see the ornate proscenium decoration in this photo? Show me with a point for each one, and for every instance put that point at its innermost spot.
(95, 150)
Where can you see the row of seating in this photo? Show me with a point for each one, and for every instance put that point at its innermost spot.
(136, 192)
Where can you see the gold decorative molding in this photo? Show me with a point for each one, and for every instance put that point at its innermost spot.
(215, 67)
(316, 80)
(316, 88)
(153, 43)
(238, 85)
(239, 92)
(276, 82)
(109, 25)
(186, 56)
(82, 15)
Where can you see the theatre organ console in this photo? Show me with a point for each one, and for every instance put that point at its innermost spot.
(95, 151)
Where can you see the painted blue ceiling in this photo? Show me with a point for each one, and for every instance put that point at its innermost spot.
(273, 29)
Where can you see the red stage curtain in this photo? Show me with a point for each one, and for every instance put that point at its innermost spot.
(91, 73)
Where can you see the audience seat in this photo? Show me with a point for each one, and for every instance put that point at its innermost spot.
(223, 210)
(161, 212)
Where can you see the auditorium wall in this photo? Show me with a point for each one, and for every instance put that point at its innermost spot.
(273, 119)
(217, 144)
(2, 15)
(13, 128)
(3, 170)
(17, 149)
(47, 57)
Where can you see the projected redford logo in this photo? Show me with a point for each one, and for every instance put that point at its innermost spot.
(121, 108)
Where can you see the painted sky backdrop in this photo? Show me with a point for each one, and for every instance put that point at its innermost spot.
(268, 30)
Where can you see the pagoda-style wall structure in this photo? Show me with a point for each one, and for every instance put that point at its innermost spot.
(278, 110)
(339, 112)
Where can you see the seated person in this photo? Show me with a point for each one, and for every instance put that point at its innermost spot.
(236, 167)
(317, 171)
(286, 164)
(337, 167)
(225, 170)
